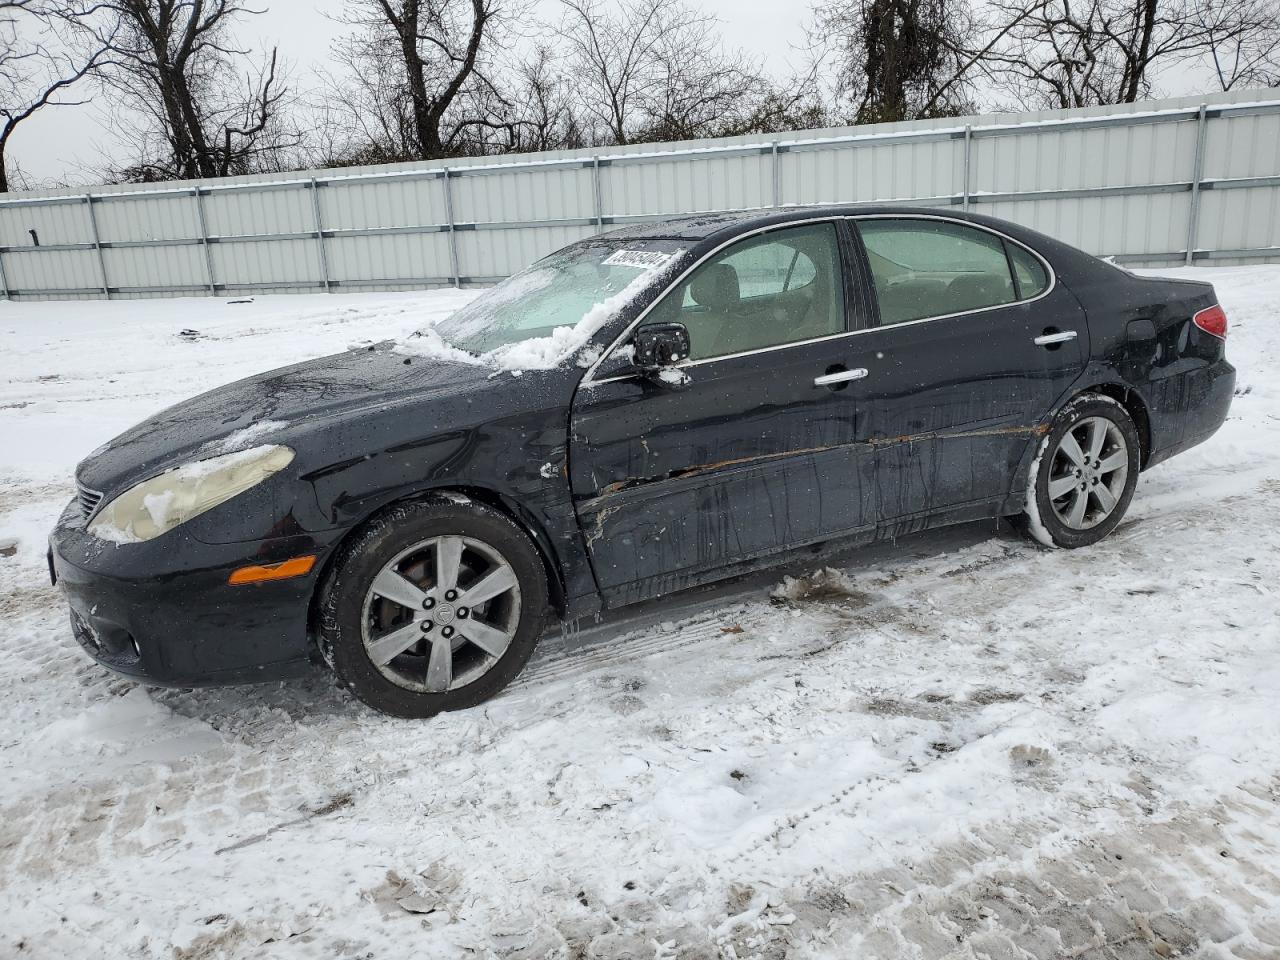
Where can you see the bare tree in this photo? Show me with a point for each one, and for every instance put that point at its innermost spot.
(657, 70)
(1245, 49)
(544, 105)
(1077, 53)
(195, 104)
(36, 71)
(898, 59)
(419, 79)
(614, 58)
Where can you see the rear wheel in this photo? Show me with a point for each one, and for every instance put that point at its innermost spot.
(433, 606)
(1085, 474)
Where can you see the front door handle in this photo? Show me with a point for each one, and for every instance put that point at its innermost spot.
(1047, 339)
(840, 376)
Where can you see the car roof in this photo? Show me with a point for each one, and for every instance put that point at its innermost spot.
(705, 232)
(701, 226)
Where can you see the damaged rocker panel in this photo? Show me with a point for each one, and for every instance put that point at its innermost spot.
(682, 473)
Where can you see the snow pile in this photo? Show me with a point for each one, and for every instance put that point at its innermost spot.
(429, 345)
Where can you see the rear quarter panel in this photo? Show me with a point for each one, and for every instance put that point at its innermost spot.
(1142, 336)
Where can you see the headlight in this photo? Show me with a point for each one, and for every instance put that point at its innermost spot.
(156, 506)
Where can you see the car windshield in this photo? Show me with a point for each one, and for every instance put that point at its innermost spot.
(579, 288)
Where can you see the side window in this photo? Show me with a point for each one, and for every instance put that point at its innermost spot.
(764, 291)
(1029, 271)
(929, 268)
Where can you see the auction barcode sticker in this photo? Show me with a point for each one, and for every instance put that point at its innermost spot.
(641, 259)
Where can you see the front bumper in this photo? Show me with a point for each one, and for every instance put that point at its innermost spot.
(163, 612)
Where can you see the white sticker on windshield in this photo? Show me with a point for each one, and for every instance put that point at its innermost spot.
(640, 259)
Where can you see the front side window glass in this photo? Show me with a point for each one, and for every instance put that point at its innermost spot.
(930, 268)
(776, 288)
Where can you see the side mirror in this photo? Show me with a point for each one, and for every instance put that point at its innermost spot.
(659, 345)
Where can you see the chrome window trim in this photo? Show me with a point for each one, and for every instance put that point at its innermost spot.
(587, 380)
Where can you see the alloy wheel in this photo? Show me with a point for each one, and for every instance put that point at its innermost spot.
(1088, 472)
(441, 614)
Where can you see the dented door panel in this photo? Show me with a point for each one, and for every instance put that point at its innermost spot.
(747, 459)
(949, 405)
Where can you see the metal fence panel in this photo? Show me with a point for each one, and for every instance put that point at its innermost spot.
(1183, 180)
(53, 223)
(143, 217)
(689, 184)
(231, 213)
(1240, 219)
(131, 268)
(362, 204)
(418, 256)
(52, 270)
(518, 196)
(1245, 146)
(246, 263)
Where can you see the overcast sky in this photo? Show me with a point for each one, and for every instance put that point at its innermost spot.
(69, 141)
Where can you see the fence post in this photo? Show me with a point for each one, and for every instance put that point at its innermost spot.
(453, 233)
(596, 195)
(968, 153)
(1197, 173)
(324, 256)
(777, 175)
(97, 245)
(204, 241)
(4, 283)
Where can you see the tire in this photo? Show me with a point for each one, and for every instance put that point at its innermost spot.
(383, 594)
(1082, 512)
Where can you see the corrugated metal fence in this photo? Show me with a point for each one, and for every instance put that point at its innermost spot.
(1188, 180)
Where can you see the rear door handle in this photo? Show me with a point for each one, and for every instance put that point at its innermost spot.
(1047, 339)
(840, 376)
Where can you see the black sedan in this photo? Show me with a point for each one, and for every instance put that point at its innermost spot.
(641, 412)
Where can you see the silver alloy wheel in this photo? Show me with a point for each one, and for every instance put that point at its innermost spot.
(441, 614)
(1088, 472)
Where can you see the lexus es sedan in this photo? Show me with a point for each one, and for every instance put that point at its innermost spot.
(641, 412)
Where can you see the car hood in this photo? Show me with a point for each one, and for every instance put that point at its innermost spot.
(273, 407)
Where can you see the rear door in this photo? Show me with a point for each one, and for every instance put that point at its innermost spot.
(973, 345)
(679, 484)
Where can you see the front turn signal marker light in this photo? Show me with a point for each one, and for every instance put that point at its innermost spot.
(296, 567)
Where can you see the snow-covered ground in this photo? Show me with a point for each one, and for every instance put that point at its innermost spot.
(964, 746)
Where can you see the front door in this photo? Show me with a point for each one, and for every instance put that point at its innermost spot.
(974, 346)
(676, 484)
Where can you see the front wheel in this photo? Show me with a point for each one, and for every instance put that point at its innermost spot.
(433, 606)
(1084, 474)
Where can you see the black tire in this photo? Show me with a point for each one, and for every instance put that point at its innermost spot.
(1041, 520)
(342, 609)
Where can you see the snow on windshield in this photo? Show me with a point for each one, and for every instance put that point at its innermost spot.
(547, 314)
(542, 353)
(472, 322)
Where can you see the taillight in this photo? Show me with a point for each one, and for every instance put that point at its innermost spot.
(1212, 320)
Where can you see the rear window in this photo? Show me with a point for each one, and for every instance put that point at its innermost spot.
(924, 267)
